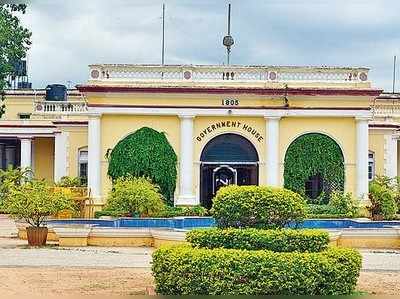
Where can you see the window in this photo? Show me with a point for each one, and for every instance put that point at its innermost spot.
(371, 165)
(24, 115)
(83, 164)
(314, 186)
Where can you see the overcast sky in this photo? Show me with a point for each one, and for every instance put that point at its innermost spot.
(70, 34)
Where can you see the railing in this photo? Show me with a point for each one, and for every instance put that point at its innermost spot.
(204, 73)
(61, 107)
(386, 110)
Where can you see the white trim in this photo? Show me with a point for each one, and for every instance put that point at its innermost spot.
(27, 131)
(231, 112)
(362, 151)
(186, 194)
(26, 152)
(272, 150)
(94, 154)
(390, 156)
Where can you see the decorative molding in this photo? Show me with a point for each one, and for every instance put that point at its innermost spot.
(231, 90)
(361, 113)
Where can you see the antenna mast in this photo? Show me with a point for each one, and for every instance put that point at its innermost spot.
(228, 39)
(163, 35)
(394, 74)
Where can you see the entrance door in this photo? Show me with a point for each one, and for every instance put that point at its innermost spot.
(226, 159)
(223, 176)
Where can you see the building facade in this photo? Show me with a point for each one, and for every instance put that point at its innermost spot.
(227, 125)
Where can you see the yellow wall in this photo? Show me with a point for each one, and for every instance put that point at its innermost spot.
(202, 123)
(213, 100)
(342, 130)
(77, 139)
(116, 127)
(377, 145)
(44, 158)
(14, 106)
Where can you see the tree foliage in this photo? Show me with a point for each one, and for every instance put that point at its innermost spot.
(14, 43)
(146, 153)
(313, 154)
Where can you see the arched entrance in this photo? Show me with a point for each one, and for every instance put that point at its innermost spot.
(226, 159)
(314, 167)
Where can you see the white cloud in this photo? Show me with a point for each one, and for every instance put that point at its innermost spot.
(69, 35)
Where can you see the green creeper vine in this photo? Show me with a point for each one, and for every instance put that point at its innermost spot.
(313, 154)
(146, 153)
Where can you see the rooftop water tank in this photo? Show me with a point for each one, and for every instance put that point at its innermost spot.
(56, 92)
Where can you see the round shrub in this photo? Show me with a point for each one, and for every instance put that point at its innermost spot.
(282, 240)
(135, 196)
(257, 206)
(183, 270)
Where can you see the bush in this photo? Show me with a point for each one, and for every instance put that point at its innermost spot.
(257, 206)
(182, 270)
(34, 200)
(169, 211)
(382, 199)
(286, 240)
(106, 212)
(12, 178)
(67, 181)
(343, 204)
(135, 196)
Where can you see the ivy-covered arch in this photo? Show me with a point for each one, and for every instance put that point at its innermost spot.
(310, 155)
(147, 153)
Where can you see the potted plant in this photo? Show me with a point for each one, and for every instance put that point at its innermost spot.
(34, 201)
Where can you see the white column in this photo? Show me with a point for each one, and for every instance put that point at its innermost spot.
(186, 194)
(60, 155)
(94, 153)
(390, 156)
(272, 151)
(26, 152)
(362, 158)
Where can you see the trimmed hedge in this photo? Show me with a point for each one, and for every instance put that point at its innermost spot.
(257, 206)
(285, 240)
(183, 270)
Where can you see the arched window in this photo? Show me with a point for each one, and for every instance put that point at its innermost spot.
(371, 165)
(83, 164)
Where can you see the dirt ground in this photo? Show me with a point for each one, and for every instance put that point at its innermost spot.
(21, 281)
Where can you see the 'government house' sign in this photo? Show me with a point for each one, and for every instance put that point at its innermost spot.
(230, 124)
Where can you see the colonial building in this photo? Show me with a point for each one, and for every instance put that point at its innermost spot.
(236, 124)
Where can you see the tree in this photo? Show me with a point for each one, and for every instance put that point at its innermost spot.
(146, 153)
(14, 43)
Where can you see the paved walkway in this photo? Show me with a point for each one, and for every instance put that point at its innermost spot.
(15, 252)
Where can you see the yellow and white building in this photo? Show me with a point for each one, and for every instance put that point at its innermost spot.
(205, 111)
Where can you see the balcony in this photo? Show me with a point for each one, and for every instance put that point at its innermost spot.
(60, 107)
(191, 74)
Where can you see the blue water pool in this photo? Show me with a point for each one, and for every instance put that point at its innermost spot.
(202, 222)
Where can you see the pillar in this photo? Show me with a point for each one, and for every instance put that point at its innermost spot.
(391, 156)
(26, 152)
(272, 151)
(94, 153)
(186, 194)
(60, 155)
(362, 158)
